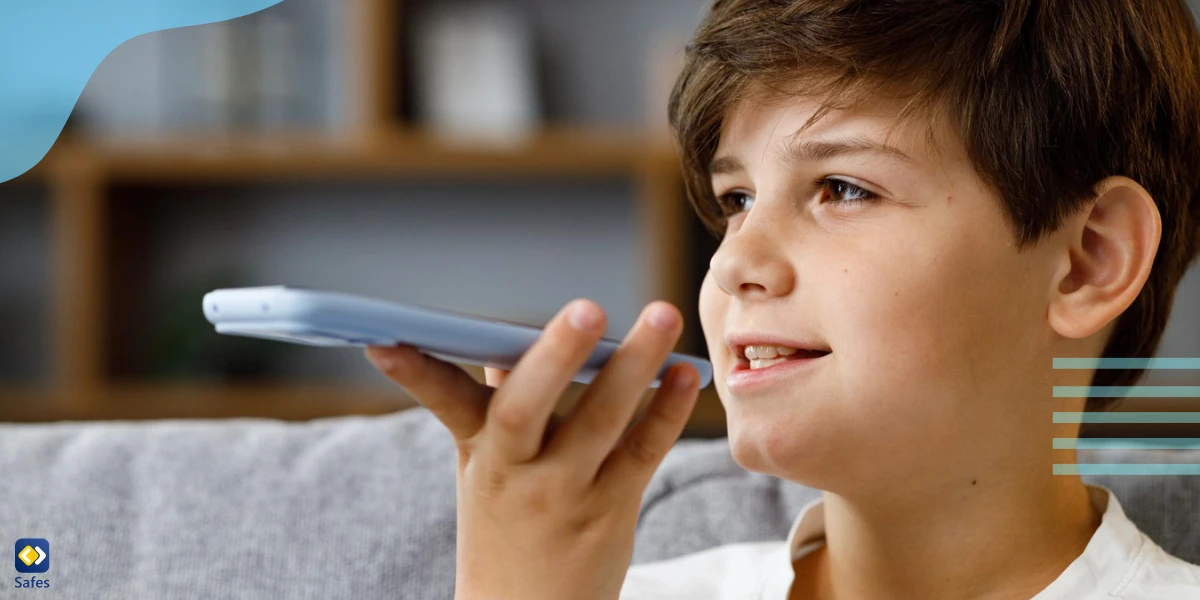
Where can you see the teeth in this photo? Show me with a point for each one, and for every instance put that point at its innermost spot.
(753, 352)
(760, 363)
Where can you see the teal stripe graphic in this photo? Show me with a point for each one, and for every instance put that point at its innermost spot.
(1127, 443)
(1132, 391)
(1127, 363)
(1127, 417)
(1132, 469)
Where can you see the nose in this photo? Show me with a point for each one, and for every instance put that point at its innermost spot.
(752, 259)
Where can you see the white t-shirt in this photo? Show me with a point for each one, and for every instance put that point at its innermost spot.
(1119, 562)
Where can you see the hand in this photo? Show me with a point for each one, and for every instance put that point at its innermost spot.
(550, 514)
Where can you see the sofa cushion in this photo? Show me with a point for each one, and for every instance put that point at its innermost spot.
(357, 507)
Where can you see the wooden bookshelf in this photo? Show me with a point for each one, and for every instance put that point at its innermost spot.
(392, 152)
(80, 175)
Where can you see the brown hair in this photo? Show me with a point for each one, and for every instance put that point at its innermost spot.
(1049, 96)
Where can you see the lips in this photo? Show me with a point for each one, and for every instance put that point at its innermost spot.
(744, 382)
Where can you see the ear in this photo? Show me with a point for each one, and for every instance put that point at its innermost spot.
(1111, 245)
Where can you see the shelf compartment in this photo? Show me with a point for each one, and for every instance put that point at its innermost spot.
(26, 240)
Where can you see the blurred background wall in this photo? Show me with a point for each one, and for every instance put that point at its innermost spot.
(495, 157)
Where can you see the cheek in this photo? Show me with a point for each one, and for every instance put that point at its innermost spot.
(895, 309)
(897, 316)
(923, 322)
(712, 306)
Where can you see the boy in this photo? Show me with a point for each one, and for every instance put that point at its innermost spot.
(921, 204)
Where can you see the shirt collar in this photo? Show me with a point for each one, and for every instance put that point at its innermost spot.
(808, 528)
(1105, 562)
(1109, 558)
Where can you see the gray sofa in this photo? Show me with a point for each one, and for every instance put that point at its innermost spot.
(363, 507)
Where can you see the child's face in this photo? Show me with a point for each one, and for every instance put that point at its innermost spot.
(940, 348)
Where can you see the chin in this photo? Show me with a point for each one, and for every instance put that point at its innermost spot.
(747, 451)
(780, 448)
(762, 444)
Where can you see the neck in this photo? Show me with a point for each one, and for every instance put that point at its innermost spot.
(977, 538)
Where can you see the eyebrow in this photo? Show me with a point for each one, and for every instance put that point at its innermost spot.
(811, 151)
(825, 149)
(722, 165)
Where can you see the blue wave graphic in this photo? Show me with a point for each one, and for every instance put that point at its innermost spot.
(50, 48)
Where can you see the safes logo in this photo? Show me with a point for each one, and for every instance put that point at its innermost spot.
(32, 556)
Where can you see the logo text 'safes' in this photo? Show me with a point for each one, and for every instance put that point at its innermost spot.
(31, 555)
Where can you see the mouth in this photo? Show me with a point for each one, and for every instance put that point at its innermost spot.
(745, 364)
(750, 378)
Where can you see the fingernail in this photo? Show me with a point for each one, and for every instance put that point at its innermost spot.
(382, 363)
(684, 380)
(584, 317)
(662, 318)
(386, 365)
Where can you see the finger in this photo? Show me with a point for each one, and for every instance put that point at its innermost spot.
(632, 464)
(520, 409)
(610, 400)
(494, 376)
(449, 392)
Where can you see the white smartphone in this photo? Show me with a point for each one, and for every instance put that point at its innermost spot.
(324, 318)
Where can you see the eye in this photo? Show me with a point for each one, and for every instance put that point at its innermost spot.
(845, 192)
(734, 202)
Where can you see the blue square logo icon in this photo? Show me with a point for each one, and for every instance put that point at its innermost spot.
(32, 555)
